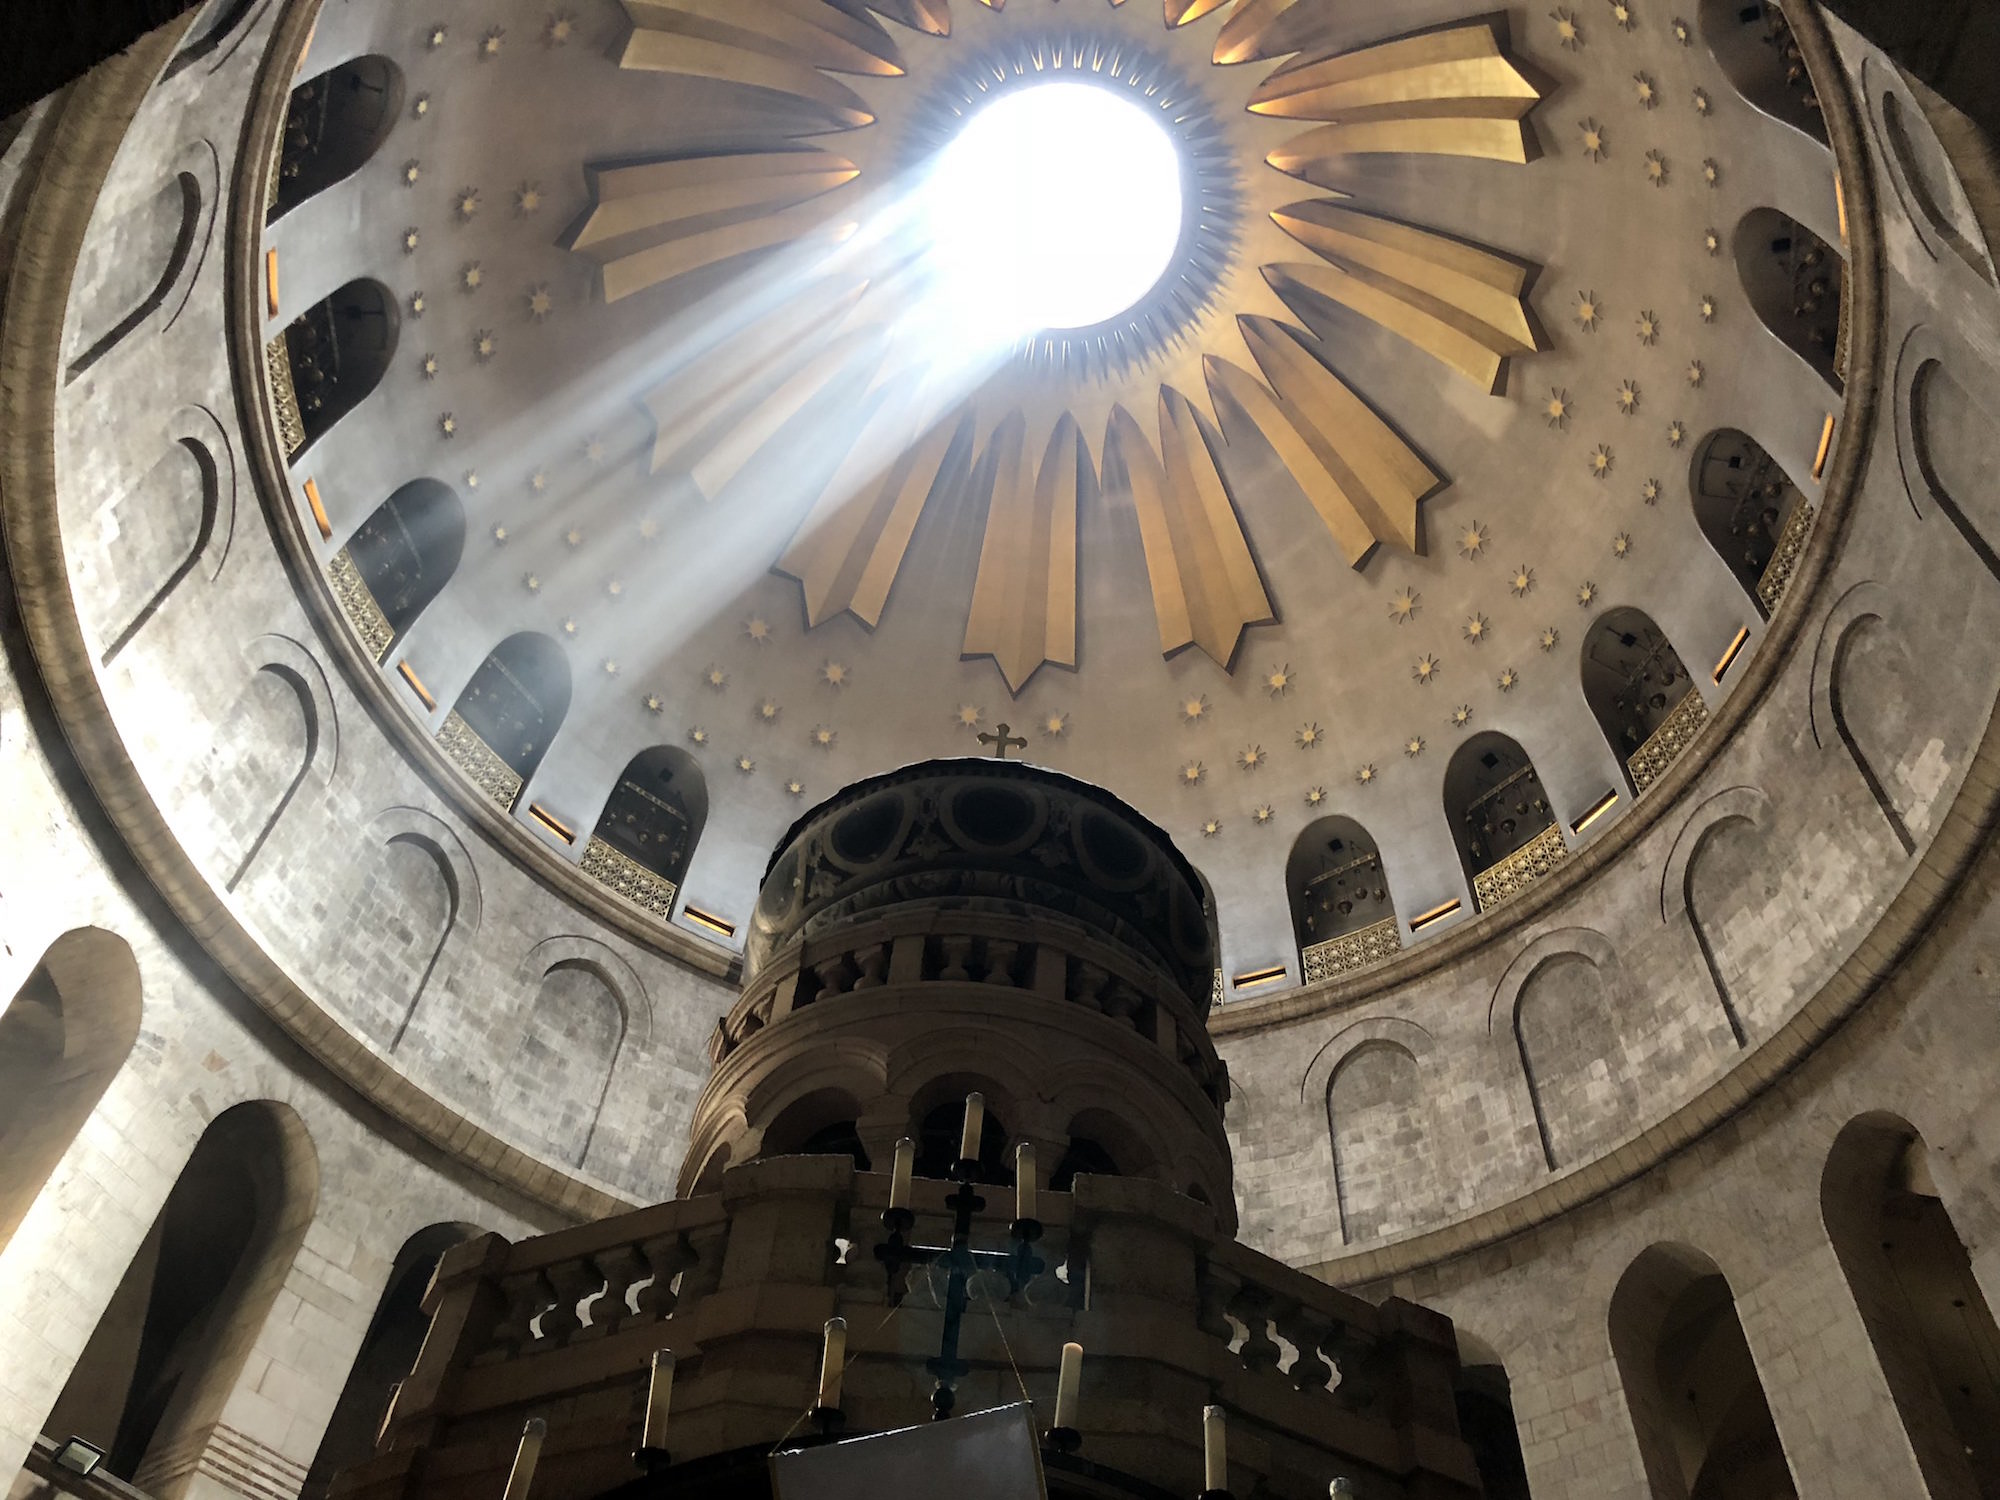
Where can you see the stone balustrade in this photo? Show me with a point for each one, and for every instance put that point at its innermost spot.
(738, 1282)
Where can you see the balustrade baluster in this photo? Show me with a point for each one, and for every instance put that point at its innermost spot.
(524, 1296)
(569, 1283)
(620, 1268)
(666, 1257)
(1251, 1306)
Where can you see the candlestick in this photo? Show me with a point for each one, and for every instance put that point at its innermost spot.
(659, 1396)
(832, 1364)
(975, 1122)
(1069, 1376)
(1024, 1181)
(1215, 1448)
(899, 1179)
(526, 1457)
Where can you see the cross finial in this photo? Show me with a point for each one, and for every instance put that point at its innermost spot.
(1003, 741)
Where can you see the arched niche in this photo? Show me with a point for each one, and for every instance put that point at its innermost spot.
(1697, 1403)
(1342, 914)
(1496, 806)
(1796, 283)
(333, 125)
(387, 1355)
(256, 770)
(1754, 46)
(569, 1049)
(63, 1038)
(1928, 184)
(656, 812)
(514, 705)
(1569, 1028)
(405, 553)
(211, 31)
(164, 526)
(171, 1345)
(335, 353)
(147, 254)
(1100, 1144)
(1634, 682)
(1745, 502)
(940, 1129)
(821, 1123)
(1926, 1315)
(1954, 438)
(1384, 1160)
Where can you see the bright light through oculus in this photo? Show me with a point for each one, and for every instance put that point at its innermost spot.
(1056, 207)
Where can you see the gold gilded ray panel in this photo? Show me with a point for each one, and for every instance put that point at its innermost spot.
(1024, 598)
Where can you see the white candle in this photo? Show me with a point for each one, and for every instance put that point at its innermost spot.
(832, 1364)
(1024, 1181)
(526, 1457)
(975, 1122)
(1215, 1447)
(659, 1396)
(1068, 1377)
(899, 1179)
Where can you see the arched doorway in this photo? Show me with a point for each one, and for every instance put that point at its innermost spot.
(1500, 818)
(333, 355)
(509, 712)
(1640, 693)
(63, 1038)
(1926, 1316)
(403, 555)
(646, 836)
(333, 125)
(169, 1348)
(1752, 514)
(1698, 1406)
(388, 1354)
(1342, 914)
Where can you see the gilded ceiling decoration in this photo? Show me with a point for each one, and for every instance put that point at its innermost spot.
(1265, 121)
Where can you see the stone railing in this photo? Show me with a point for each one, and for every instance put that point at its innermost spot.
(620, 873)
(1352, 950)
(472, 755)
(1664, 745)
(1045, 958)
(357, 602)
(284, 396)
(738, 1282)
(1521, 869)
(1785, 561)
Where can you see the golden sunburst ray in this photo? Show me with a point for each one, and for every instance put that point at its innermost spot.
(1442, 93)
(809, 31)
(661, 42)
(1206, 587)
(1024, 597)
(1462, 304)
(1259, 30)
(932, 17)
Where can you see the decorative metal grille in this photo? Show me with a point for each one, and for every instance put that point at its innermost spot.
(476, 759)
(1521, 869)
(630, 879)
(284, 398)
(1785, 560)
(1664, 745)
(357, 602)
(1353, 950)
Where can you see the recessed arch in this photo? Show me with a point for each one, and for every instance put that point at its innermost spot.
(1691, 1383)
(1745, 503)
(182, 497)
(169, 1348)
(1923, 177)
(63, 1038)
(656, 812)
(1861, 669)
(405, 553)
(154, 251)
(1496, 806)
(1635, 682)
(334, 123)
(222, 25)
(1343, 916)
(513, 707)
(1927, 1318)
(331, 357)
(1952, 437)
(1796, 283)
(1753, 45)
(1379, 1122)
(561, 1071)
(820, 1123)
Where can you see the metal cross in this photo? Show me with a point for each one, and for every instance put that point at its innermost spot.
(1003, 741)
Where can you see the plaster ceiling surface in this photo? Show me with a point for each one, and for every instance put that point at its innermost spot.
(1350, 486)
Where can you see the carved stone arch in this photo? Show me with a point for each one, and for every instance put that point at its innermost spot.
(216, 35)
(1737, 38)
(919, 1066)
(1381, 1059)
(1921, 173)
(1867, 603)
(634, 999)
(1739, 804)
(294, 664)
(1793, 281)
(413, 829)
(1409, 1035)
(1924, 385)
(199, 443)
(572, 1038)
(335, 122)
(188, 198)
(1514, 988)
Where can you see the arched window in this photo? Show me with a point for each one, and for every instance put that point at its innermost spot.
(511, 708)
(1745, 504)
(1912, 1280)
(1636, 685)
(168, 1350)
(333, 125)
(655, 816)
(820, 1124)
(1797, 284)
(404, 554)
(388, 1354)
(334, 354)
(1342, 915)
(1698, 1406)
(63, 1038)
(1753, 43)
(939, 1136)
(1494, 800)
